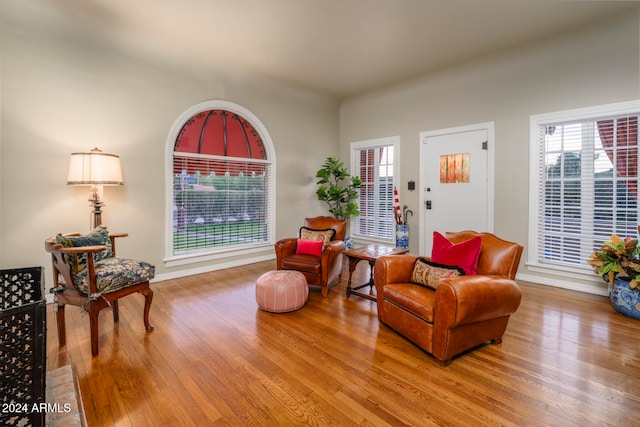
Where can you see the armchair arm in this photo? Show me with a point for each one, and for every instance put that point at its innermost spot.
(62, 267)
(284, 248)
(91, 268)
(113, 237)
(393, 269)
(468, 299)
(331, 261)
(80, 249)
(330, 252)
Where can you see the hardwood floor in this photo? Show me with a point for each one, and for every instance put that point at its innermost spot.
(214, 358)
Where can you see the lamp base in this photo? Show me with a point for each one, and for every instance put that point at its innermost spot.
(95, 199)
(96, 214)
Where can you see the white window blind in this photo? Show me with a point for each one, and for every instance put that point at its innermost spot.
(588, 186)
(373, 163)
(219, 203)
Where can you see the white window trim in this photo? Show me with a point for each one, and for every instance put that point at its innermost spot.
(371, 143)
(172, 260)
(586, 275)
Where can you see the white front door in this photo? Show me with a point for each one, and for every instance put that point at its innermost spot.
(456, 181)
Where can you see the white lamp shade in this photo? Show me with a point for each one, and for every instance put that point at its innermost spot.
(94, 168)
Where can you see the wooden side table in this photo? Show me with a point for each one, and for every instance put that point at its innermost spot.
(368, 253)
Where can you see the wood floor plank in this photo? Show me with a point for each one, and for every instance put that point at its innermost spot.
(214, 358)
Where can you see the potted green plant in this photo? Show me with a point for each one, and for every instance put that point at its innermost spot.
(618, 262)
(338, 189)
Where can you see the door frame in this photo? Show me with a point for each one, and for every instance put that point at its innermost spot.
(489, 127)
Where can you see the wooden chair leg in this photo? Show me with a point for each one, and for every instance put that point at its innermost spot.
(116, 314)
(325, 291)
(93, 327)
(62, 331)
(148, 298)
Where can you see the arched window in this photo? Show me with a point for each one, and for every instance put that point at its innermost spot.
(221, 181)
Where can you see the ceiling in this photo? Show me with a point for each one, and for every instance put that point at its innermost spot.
(337, 47)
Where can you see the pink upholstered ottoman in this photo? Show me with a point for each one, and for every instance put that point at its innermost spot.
(280, 291)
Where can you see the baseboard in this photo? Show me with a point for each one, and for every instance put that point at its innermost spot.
(212, 267)
(564, 284)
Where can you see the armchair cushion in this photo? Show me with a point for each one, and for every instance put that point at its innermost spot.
(99, 236)
(309, 247)
(414, 299)
(116, 273)
(304, 263)
(464, 254)
(430, 274)
(311, 234)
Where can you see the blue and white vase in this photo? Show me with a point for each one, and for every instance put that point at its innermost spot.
(624, 299)
(402, 236)
(348, 242)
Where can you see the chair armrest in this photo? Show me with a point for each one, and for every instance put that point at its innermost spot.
(392, 269)
(468, 299)
(284, 248)
(331, 250)
(83, 249)
(334, 246)
(113, 237)
(331, 262)
(55, 247)
(62, 267)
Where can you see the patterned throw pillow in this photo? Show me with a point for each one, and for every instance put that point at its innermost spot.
(430, 274)
(311, 234)
(99, 236)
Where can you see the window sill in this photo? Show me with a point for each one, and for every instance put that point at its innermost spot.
(194, 258)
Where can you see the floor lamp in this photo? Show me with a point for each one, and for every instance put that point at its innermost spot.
(96, 169)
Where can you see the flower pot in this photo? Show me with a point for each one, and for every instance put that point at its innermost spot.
(624, 299)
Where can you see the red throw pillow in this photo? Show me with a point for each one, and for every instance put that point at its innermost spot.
(464, 254)
(309, 247)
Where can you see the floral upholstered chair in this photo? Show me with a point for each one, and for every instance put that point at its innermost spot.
(87, 273)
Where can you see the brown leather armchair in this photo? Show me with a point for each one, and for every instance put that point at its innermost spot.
(319, 271)
(462, 312)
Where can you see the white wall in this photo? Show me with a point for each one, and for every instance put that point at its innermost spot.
(593, 66)
(64, 92)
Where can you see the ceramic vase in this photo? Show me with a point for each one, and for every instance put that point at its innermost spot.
(624, 299)
(348, 242)
(402, 236)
